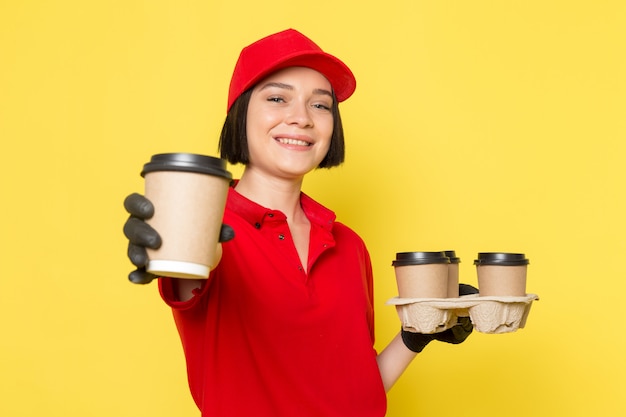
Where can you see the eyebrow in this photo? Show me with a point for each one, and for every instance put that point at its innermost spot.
(321, 91)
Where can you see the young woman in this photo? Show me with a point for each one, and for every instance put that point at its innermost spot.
(284, 325)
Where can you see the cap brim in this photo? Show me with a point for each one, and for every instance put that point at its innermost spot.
(336, 72)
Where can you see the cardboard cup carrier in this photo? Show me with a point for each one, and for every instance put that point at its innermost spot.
(501, 306)
(189, 195)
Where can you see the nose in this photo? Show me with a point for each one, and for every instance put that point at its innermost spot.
(299, 114)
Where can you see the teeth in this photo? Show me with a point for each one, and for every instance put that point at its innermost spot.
(287, 141)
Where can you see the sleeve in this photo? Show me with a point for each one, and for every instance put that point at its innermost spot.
(362, 268)
(369, 291)
(167, 289)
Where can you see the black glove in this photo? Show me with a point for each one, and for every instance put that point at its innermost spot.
(141, 236)
(416, 342)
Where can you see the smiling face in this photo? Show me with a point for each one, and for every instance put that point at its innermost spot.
(289, 122)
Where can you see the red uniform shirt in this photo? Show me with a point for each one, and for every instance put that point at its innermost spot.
(264, 338)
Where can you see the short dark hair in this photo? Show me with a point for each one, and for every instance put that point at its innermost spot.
(233, 144)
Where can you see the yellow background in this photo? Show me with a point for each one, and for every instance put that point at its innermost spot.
(476, 126)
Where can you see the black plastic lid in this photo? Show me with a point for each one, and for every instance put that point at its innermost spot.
(187, 162)
(501, 258)
(452, 255)
(420, 258)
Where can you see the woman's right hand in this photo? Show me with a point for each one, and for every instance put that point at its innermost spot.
(140, 236)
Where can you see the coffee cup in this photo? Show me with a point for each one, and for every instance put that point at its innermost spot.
(421, 274)
(501, 274)
(453, 274)
(188, 192)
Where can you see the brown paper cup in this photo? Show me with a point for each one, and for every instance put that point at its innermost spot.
(453, 274)
(453, 280)
(421, 274)
(501, 274)
(189, 195)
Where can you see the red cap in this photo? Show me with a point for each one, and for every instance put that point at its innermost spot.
(288, 48)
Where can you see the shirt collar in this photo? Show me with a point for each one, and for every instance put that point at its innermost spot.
(256, 214)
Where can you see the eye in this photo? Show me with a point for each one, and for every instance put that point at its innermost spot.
(321, 106)
(276, 99)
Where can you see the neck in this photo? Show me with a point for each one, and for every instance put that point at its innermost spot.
(281, 194)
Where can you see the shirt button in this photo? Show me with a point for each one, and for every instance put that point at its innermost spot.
(281, 236)
(270, 215)
(257, 225)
